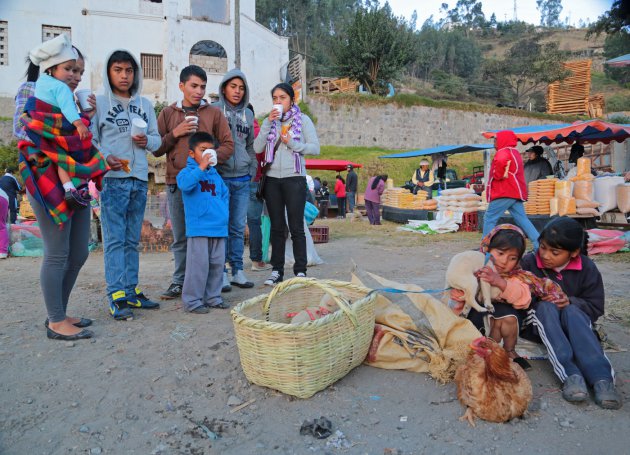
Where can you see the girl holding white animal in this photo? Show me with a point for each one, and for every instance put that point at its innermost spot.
(506, 244)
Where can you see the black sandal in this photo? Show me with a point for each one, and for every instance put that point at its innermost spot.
(83, 323)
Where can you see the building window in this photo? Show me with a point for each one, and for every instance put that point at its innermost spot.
(210, 10)
(4, 43)
(151, 66)
(209, 55)
(52, 31)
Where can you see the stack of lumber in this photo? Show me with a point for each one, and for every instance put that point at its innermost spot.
(328, 85)
(401, 198)
(570, 96)
(596, 106)
(539, 192)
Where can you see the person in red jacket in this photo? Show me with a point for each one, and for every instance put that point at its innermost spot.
(506, 189)
(340, 192)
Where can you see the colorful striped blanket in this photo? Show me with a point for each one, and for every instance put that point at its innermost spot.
(55, 142)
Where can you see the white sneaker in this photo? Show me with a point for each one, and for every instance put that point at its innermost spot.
(273, 279)
(227, 287)
(301, 275)
(4, 255)
(239, 279)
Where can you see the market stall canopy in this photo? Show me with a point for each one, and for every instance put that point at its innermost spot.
(588, 131)
(618, 62)
(330, 165)
(446, 149)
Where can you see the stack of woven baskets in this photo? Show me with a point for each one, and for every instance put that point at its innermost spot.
(302, 359)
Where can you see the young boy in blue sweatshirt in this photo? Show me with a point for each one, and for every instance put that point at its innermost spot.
(206, 201)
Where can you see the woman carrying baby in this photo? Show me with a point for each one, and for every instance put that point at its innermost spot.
(505, 245)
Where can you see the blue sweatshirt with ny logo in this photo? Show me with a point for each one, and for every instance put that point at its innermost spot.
(206, 201)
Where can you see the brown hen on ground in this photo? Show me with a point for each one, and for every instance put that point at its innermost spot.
(491, 385)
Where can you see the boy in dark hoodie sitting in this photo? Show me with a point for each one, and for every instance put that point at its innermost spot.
(206, 200)
(237, 171)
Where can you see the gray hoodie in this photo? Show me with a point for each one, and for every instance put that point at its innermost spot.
(241, 121)
(111, 125)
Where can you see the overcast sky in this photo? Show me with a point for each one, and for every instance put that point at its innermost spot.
(504, 9)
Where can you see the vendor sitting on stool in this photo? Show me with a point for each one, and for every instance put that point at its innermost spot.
(423, 179)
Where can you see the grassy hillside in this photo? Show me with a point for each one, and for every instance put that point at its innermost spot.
(398, 169)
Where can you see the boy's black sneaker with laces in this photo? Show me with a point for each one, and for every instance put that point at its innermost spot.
(142, 302)
(174, 291)
(118, 307)
(273, 279)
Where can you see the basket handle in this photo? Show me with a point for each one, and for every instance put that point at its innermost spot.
(299, 282)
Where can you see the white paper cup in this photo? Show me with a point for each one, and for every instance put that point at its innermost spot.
(192, 119)
(213, 156)
(82, 97)
(138, 127)
(279, 108)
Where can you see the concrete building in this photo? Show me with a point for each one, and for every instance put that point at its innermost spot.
(166, 36)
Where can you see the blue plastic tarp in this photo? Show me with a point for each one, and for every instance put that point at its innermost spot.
(447, 149)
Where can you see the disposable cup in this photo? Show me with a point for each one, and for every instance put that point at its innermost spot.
(138, 127)
(192, 119)
(82, 96)
(279, 108)
(213, 156)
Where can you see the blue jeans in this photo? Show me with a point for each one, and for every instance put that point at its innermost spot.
(239, 203)
(122, 212)
(254, 211)
(351, 198)
(497, 207)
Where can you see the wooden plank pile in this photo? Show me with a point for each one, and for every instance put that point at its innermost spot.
(401, 198)
(570, 96)
(596, 106)
(327, 85)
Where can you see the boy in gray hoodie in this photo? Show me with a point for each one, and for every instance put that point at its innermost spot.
(238, 170)
(124, 194)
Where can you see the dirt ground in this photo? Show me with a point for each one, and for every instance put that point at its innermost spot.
(164, 382)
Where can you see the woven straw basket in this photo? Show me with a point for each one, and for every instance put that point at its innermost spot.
(302, 359)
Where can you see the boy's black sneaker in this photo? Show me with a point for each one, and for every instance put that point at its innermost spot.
(118, 307)
(173, 291)
(142, 302)
(273, 279)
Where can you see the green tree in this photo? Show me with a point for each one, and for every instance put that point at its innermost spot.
(376, 47)
(612, 21)
(528, 67)
(467, 13)
(549, 12)
(617, 44)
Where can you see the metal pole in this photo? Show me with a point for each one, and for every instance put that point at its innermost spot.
(237, 33)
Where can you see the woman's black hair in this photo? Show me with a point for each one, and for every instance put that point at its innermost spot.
(79, 54)
(378, 179)
(341, 178)
(325, 183)
(565, 233)
(32, 71)
(286, 88)
(251, 108)
(506, 239)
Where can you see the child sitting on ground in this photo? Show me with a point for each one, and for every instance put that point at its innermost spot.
(206, 202)
(57, 59)
(506, 245)
(565, 325)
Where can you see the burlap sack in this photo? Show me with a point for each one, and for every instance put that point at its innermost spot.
(418, 333)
